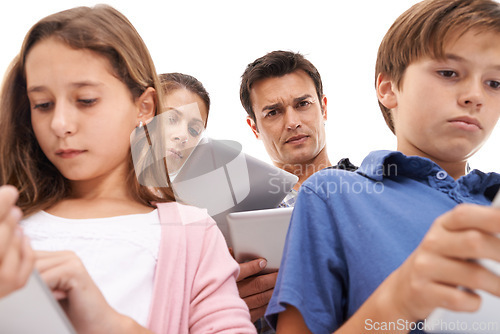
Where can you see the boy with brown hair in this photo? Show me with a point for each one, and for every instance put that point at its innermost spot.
(381, 248)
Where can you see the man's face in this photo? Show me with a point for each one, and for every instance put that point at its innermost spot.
(289, 118)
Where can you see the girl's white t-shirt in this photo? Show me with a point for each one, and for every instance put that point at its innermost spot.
(120, 253)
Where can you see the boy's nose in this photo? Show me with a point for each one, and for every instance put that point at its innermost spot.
(473, 95)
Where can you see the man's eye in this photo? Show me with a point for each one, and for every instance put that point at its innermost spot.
(272, 113)
(303, 104)
(447, 73)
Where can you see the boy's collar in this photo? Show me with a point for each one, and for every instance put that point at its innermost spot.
(380, 164)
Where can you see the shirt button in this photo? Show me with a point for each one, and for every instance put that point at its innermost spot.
(441, 175)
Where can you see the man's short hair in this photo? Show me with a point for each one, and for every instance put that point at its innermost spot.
(422, 31)
(272, 65)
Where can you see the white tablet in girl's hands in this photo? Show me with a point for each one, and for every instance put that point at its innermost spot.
(33, 309)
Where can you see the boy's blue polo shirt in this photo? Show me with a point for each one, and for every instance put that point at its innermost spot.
(350, 230)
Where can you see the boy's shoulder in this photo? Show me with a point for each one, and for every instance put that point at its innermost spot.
(372, 168)
(394, 172)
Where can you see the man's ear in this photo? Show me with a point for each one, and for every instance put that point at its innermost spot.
(386, 91)
(146, 104)
(251, 123)
(323, 108)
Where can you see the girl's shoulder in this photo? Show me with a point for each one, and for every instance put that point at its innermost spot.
(181, 214)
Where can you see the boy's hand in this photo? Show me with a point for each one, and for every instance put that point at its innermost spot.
(440, 273)
(256, 291)
(16, 255)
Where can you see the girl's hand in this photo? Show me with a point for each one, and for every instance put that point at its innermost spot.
(79, 296)
(16, 255)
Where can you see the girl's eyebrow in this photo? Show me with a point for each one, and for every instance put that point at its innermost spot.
(34, 89)
(79, 84)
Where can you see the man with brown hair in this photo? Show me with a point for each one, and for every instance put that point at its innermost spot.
(282, 94)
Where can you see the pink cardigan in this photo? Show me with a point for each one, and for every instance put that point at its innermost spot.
(194, 289)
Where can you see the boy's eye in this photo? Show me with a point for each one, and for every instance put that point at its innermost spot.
(447, 73)
(493, 84)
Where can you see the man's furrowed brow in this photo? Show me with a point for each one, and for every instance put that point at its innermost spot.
(271, 106)
(302, 98)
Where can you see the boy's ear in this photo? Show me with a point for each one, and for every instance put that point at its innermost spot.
(146, 104)
(386, 91)
(251, 123)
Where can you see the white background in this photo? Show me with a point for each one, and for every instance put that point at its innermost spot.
(215, 40)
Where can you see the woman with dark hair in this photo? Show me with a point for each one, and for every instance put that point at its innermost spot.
(186, 104)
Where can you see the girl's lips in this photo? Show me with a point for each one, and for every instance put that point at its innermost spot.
(70, 153)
